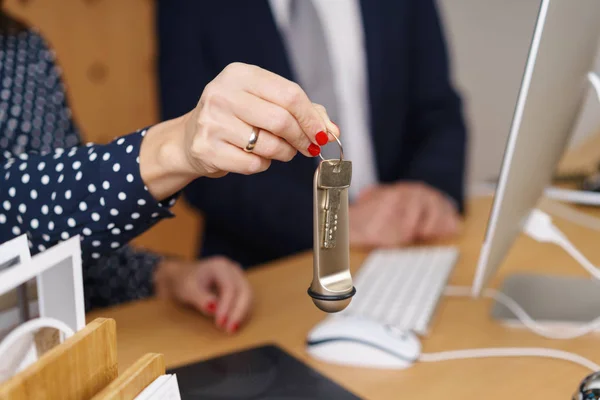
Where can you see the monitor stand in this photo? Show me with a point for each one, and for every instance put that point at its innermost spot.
(552, 301)
(556, 302)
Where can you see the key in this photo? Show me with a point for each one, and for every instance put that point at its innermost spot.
(331, 288)
(332, 206)
(334, 177)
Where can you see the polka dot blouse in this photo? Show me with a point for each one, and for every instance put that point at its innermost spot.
(53, 188)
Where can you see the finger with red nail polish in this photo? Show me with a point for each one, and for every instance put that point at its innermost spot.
(322, 138)
(314, 150)
(211, 307)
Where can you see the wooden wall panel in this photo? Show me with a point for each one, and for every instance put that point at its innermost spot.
(106, 49)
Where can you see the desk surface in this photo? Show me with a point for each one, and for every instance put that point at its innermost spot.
(284, 314)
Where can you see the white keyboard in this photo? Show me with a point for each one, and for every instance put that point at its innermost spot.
(401, 287)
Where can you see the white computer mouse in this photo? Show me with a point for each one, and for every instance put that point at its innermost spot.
(360, 342)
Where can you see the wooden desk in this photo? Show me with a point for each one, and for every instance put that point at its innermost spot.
(284, 314)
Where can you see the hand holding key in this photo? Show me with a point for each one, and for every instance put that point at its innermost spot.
(245, 118)
(247, 103)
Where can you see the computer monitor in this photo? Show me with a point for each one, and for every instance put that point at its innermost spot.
(562, 53)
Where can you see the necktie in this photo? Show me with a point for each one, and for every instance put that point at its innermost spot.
(311, 63)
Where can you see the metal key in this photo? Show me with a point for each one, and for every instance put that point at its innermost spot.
(332, 206)
(334, 176)
(331, 288)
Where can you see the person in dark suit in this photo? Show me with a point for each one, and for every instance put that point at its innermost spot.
(381, 69)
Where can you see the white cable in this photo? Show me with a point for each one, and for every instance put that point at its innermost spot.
(571, 214)
(32, 326)
(539, 226)
(465, 291)
(521, 314)
(576, 254)
(510, 352)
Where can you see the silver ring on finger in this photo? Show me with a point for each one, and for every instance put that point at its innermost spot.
(252, 141)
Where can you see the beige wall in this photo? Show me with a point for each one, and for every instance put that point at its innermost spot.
(489, 41)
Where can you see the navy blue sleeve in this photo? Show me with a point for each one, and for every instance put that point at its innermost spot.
(94, 191)
(122, 275)
(436, 120)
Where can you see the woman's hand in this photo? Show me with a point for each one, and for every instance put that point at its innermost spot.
(243, 97)
(216, 286)
(210, 140)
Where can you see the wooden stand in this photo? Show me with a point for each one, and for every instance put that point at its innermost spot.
(84, 367)
(135, 379)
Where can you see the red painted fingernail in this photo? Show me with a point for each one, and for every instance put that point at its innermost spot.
(314, 150)
(235, 327)
(322, 138)
(211, 306)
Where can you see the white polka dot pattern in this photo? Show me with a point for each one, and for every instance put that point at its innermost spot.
(52, 194)
(70, 207)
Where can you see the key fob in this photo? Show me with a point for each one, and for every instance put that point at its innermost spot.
(332, 287)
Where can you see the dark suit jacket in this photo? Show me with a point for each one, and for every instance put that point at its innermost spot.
(417, 125)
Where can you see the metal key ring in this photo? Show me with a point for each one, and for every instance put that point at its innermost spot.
(339, 144)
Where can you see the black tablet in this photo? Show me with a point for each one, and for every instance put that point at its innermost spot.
(265, 372)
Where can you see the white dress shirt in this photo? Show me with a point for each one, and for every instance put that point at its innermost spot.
(344, 35)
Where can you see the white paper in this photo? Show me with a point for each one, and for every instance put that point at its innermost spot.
(151, 389)
(165, 387)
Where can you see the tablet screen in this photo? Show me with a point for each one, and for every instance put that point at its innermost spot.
(265, 372)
